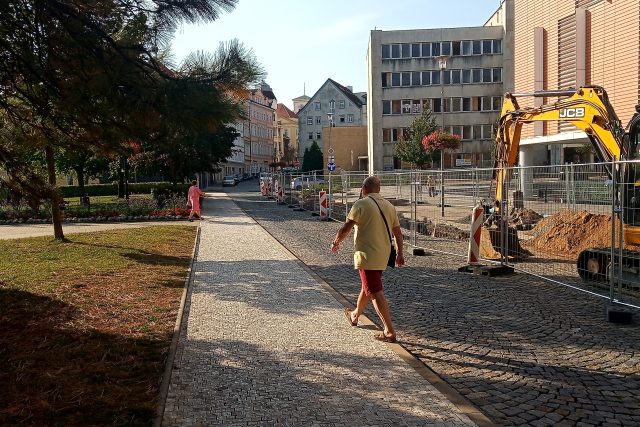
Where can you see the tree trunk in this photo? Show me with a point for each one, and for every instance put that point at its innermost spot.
(56, 215)
(80, 175)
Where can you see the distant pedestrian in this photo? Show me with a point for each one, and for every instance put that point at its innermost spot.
(372, 249)
(431, 184)
(193, 198)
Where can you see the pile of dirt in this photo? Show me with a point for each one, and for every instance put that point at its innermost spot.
(569, 233)
(524, 216)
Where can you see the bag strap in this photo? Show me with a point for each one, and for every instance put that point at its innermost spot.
(384, 219)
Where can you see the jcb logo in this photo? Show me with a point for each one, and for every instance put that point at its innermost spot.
(572, 113)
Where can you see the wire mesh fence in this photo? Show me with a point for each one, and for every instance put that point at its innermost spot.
(554, 222)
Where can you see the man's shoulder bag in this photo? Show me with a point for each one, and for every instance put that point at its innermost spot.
(392, 255)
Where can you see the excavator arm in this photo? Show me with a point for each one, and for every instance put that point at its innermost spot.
(587, 108)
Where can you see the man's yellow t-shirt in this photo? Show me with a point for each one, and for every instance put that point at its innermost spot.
(371, 238)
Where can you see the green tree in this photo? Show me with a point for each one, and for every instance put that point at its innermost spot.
(98, 74)
(409, 148)
(312, 159)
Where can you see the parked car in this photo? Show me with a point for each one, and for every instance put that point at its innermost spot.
(229, 180)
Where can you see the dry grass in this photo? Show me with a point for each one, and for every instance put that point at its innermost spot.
(86, 324)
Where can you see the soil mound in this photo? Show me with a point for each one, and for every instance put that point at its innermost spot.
(569, 233)
(524, 216)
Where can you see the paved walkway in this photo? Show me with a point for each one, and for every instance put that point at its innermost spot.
(263, 343)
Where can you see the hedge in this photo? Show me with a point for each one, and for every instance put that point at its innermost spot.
(112, 189)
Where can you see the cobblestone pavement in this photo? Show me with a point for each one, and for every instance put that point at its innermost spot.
(265, 344)
(523, 350)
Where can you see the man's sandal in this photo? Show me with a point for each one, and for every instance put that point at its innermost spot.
(347, 313)
(385, 338)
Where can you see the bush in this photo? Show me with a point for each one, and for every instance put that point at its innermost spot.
(112, 189)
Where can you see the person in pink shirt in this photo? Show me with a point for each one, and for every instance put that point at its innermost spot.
(194, 199)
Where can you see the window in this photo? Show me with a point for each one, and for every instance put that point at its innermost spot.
(406, 106)
(477, 47)
(466, 76)
(466, 47)
(475, 103)
(416, 106)
(332, 106)
(446, 106)
(394, 134)
(386, 107)
(496, 103)
(497, 46)
(455, 48)
(317, 105)
(426, 78)
(456, 130)
(341, 104)
(406, 50)
(415, 50)
(342, 118)
(486, 132)
(486, 103)
(318, 135)
(435, 49)
(435, 78)
(349, 118)
(386, 135)
(466, 132)
(395, 79)
(386, 79)
(395, 51)
(406, 79)
(477, 132)
(466, 104)
(476, 74)
(395, 106)
(426, 104)
(386, 51)
(426, 50)
(309, 120)
(310, 135)
(456, 104)
(455, 77)
(437, 105)
(445, 48)
(318, 120)
(446, 75)
(415, 78)
(497, 75)
(486, 75)
(486, 46)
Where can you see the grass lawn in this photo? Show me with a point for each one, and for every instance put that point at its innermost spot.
(85, 325)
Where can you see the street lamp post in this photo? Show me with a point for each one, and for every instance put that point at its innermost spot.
(442, 62)
(330, 159)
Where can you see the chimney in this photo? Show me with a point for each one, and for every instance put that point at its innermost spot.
(350, 88)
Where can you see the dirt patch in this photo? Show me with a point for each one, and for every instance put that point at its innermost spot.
(569, 233)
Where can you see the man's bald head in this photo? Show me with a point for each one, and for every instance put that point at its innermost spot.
(371, 185)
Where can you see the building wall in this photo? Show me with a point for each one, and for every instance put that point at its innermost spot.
(262, 132)
(287, 127)
(312, 118)
(348, 143)
(610, 51)
(384, 129)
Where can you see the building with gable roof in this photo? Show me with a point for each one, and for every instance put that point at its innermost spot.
(332, 104)
(286, 135)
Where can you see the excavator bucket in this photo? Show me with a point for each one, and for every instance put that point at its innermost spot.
(491, 242)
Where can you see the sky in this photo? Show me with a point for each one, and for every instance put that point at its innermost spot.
(302, 43)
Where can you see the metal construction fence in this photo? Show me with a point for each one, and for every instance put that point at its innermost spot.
(555, 222)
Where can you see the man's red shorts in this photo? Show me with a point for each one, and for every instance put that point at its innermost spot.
(371, 281)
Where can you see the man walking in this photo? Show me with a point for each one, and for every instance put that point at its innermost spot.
(372, 249)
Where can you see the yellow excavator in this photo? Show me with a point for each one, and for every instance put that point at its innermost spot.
(588, 108)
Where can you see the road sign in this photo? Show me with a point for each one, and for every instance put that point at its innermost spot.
(331, 166)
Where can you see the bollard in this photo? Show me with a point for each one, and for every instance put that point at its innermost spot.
(262, 188)
(323, 205)
(280, 194)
